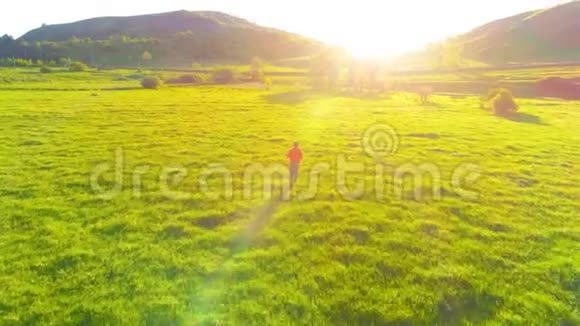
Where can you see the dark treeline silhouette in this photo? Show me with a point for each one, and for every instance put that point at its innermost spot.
(176, 39)
(182, 49)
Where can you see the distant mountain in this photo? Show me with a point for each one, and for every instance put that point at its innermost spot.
(172, 38)
(549, 35)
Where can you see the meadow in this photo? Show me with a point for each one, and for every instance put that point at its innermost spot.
(147, 255)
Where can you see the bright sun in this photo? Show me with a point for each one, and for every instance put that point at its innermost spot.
(364, 50)
(374, 37)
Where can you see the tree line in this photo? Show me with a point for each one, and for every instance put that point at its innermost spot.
(178, 50)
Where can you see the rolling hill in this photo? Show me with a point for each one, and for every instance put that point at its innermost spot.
(145, 26)
(548, 35)
(173, 38)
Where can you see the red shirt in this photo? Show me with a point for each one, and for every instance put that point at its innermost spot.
(295, 155)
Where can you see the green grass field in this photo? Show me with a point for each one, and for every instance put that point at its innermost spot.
(149, 255)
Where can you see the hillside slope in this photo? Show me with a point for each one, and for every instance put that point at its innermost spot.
(548, 35)
(146, 26)
(173, 38)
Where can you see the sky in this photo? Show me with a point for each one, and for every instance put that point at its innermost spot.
(364, 27)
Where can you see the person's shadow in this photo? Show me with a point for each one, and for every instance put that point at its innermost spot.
(239, 244)
(262, 215)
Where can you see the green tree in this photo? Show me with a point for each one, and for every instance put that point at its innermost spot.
(7, 46)
(452, 54)
(257, 71)
(196, 66)
(77, 66)
(448, 54)
(146, 56)
(74, 40)
(24, 45)
(325, 69)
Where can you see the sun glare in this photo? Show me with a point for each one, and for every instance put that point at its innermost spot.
(377, 32)
(364, 50)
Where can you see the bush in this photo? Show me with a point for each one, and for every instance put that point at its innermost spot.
(45, 70)
(9, 62)
(256, 76)
(564, 88)
(492, 93)
(151, 82)
(185, 79)
(502, 102)
(257, 72)
(267, 83)
(224, 76)
(424, 93)
(77, 66)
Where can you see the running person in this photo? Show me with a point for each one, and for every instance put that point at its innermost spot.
(295, 156)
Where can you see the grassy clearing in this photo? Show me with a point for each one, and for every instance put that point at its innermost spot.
(511, 256)
(31, 79)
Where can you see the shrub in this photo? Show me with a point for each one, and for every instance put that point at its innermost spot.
(23, 63)
(502, 102)
(424, 93)
(257, 72)
(151, 82)
(77, 66)
(325, 69)
(45, 70)
(564, 88)
(9, 62)
(267, 83)
(256, 76)
(224, 76)
(492, 93)
(185, 79)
